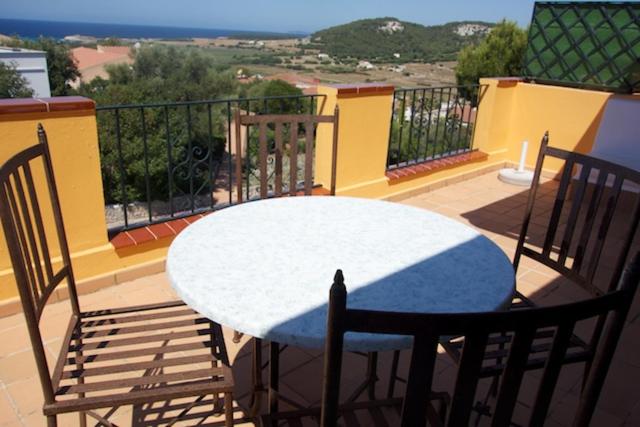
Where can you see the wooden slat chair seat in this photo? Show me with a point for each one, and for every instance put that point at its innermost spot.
(427, 329)
(111, 357)
(573, 243)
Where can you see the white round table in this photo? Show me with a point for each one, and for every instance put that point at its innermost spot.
(264, 268)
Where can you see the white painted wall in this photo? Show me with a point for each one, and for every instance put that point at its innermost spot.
(32, 65)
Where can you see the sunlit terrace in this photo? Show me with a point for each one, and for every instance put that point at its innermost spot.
(492, 207)
(482, 238)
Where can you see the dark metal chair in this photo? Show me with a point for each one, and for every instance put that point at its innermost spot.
(588, 197)
(276, 151)
(578, 231)
(427, 331)
(111, 357)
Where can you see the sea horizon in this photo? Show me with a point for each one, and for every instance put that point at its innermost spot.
(28, 28)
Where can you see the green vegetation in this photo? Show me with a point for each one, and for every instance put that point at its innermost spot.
(170, 135)
(12, 84)
(60, 65)
(111, 41)
(365, 39)
(500, 54)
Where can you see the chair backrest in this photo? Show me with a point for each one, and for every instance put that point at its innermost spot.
(284, 126)
(27, 214)
(590, 220)
(428, 329)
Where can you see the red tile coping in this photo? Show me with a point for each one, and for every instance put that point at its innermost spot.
(44, 105)
(362, 89)
(508, 81)
(434, 165)
(150, 233)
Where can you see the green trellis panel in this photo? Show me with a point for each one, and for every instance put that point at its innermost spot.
(593, 45)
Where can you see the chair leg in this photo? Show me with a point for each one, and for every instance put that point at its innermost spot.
(52, 421)
(83, 419)
(372, 374)
(228, 409)
(394, 373)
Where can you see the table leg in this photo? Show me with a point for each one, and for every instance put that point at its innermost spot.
(393, 376)
(256, 376)
(371, 377)
(274, 374)
(372, 373)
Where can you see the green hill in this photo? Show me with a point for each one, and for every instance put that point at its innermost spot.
(379, 39)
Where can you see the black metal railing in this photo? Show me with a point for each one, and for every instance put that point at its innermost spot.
(171, 160)
(431, 123)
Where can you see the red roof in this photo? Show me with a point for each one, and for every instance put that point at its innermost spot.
(123, 50)
(87, 58)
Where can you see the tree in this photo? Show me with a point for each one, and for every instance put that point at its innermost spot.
(500, 54)
(61, 67)
(12, 84)
(196, 133)
(270, 88)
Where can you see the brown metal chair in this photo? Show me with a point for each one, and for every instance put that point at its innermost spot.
(111, 357)
(578, 232)
(428, 329)
(275, 151)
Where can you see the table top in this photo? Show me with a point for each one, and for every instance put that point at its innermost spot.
(265, 268)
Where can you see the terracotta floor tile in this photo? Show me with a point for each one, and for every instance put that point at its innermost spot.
(37, 419)
(27, 396)
(9, 322)
(8, 415)
(17, 367)
(564, 411)
(14, 340)
(620, 392)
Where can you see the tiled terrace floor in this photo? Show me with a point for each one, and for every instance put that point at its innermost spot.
(490, 206)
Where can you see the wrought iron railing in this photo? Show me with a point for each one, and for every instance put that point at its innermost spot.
(171, 160)
(431, 123)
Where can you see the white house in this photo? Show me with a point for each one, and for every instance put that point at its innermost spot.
(32, 65)
(365, 65)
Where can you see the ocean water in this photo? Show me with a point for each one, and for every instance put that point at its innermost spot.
(58, 30)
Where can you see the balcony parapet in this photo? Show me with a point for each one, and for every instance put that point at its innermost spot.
(361, 89)
(45, 105)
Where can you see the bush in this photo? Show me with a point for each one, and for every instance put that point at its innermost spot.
(12, 84)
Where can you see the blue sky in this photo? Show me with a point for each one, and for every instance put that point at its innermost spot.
(265, 15)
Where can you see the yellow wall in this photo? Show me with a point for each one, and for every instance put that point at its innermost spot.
(73, 142)
(510, 111)
(362, 139)
(516, 111)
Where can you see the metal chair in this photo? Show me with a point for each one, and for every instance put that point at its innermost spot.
(428, 330)
(111, 357)
(573, 242)
(275, 151)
